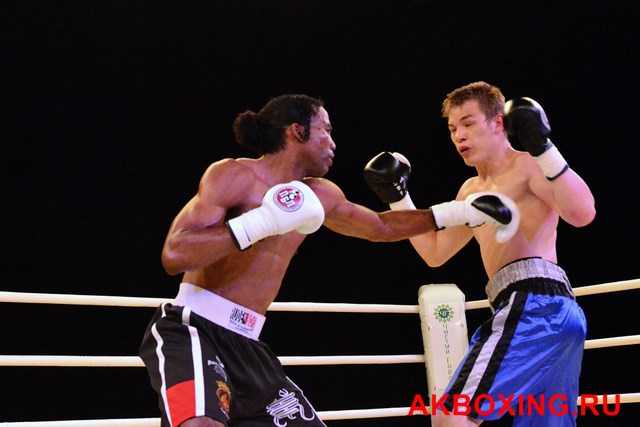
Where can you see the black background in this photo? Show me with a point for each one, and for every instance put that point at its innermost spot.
(111, 111)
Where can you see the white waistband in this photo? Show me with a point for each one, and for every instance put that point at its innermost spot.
(220, 311)
(525, 269)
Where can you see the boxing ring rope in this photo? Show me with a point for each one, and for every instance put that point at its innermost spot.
(135, 361)
(325, 415)
(116, 301)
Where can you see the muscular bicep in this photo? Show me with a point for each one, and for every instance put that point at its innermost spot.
(209, 206)
(198, 236)
(568, 195)
(540, 186)
(197, 214)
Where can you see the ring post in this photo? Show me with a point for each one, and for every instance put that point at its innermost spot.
(444, 332)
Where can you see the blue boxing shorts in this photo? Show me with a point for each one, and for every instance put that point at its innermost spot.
(204, 358)
(526, 359)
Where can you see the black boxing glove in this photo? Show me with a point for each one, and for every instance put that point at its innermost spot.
(387, 175)
(527, 125)
(478, 209)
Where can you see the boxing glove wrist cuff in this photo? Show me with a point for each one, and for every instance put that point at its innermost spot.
(552, 163)
(250, 227)
(403, 204)
(449, 214)
(238, 234)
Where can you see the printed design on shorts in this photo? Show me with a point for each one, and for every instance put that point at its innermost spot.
(242, 320)
(224, 397)
(218, 366)
(288, 198)
(287, 406)
(444, 313)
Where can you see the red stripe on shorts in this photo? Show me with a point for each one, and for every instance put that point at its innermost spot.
(181, 399)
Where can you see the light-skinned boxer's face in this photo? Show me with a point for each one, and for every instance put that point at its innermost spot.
(318, 150)
(472, 133)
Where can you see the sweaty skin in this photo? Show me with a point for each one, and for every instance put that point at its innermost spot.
(482, 144)
(200, 246)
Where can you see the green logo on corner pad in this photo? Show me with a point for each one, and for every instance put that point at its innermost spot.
(444, 313)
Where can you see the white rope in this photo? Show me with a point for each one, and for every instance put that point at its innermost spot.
(623, 285)
(624, 398)
(324, 415)
(70, 299)
(343, 307)
(134, 422)
(73, 361)
(102, 300)
(351, 414)
(612, 342)
(473, 305)
(135, 361)
(350, 360)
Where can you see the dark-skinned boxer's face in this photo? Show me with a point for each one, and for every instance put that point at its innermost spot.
(318, 150)
(472, 133)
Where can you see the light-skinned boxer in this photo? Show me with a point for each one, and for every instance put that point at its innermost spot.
(532, 345)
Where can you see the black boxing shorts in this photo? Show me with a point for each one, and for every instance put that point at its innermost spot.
(204, 358)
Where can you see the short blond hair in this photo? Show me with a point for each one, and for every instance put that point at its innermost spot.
(489, 97)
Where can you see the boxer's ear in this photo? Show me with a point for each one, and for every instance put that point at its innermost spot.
(297, 131)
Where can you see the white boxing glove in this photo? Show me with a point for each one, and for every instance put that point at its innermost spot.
(480, 208)
(285, 207)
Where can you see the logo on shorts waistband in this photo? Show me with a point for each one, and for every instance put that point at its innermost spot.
(243, 320)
